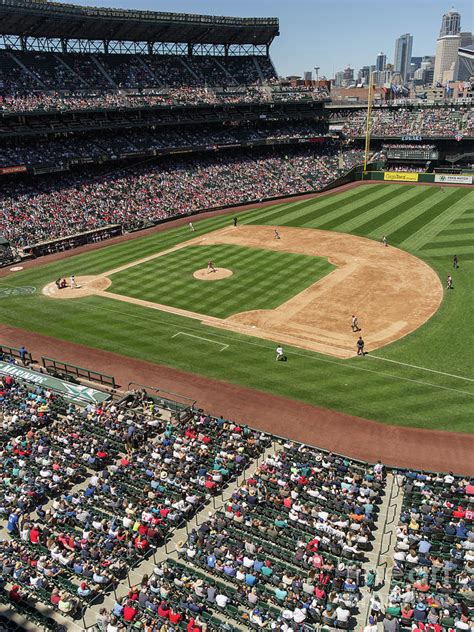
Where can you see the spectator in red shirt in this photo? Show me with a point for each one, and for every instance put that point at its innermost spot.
(35, 534)
(164, 610)
(175, 617)
(129, 611)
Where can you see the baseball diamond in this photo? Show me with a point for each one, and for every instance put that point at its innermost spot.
(425, 227)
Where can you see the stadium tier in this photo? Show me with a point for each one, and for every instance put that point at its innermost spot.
(91, 494)
(144, 194)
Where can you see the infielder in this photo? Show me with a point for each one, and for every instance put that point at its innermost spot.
(280, 354)
(355, 323)
(277, 234)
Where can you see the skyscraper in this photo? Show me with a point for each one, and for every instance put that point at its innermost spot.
(451, 23)
(403, 46)
(447, 46)
(381, 62)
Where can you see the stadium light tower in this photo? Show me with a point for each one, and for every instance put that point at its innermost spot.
(368, 124)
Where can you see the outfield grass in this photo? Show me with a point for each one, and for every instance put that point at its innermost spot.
(435, 390)
(262, 279)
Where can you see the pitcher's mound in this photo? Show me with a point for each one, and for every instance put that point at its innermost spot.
(85, 286)
(220, 273)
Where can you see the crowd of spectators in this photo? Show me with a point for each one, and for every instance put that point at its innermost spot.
(58, 82)
(394, 166)
(93, 145)
(285, 552)
(433, 575)
(426, 122)
(115, 99)
(88, 492)
(51, 207)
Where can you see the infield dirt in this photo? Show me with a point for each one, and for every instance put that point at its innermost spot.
(390, 291)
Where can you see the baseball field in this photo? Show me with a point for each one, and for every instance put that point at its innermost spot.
(153, 298)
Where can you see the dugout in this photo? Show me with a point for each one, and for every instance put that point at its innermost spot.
(180, 406)
(7, 255)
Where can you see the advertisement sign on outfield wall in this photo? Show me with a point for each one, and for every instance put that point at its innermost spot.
(446, 178)
(404, 176)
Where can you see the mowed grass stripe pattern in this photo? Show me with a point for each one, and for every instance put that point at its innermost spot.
(416, 218)
(262, 279)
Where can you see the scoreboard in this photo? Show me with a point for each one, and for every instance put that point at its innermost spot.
(400, 153)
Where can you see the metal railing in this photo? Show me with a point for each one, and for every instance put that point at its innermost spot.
(13, 352)
(78, 371)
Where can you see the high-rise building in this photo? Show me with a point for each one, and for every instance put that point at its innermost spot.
(349, 75)
(363, 75)
(339, 78)
(447, 67)
(403, 47)
(446, 60)
(450, 24)
(381, 62)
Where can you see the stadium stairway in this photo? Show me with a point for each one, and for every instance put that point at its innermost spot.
(103, 71)
(169, 550)
(225, 71)
(258, 69)
(380, 558)
(72, 71)
(139, 59)
(26, 70)
(188, 68)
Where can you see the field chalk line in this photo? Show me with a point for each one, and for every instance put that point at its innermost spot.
(314, 357)
(421, 368)
(216, 342)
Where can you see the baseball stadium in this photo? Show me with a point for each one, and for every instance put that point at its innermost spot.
(236, 348)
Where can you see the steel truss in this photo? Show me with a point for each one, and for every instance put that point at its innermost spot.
(122, 47)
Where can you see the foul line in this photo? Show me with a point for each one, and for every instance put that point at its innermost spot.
(422, 368)
(183, 333)
(313, 356)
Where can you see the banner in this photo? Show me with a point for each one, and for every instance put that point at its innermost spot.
(74, 392)
(447, 178)
(403, 176)
(6, 170)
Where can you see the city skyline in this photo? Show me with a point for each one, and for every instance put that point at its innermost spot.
(312, 34)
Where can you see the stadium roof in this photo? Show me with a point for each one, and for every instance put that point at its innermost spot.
(37, 18)
(467, 52)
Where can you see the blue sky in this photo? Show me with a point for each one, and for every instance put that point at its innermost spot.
(327, 33)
